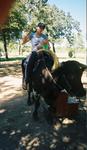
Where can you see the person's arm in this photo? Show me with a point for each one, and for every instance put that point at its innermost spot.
(41, 44)
(25, 39)
(45, 42)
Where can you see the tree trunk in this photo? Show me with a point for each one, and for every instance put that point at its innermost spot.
(5, 44)
(19, 47)
(53, 47)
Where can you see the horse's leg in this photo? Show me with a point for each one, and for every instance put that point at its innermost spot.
(30, 101)
(23, 73)
(29, 98)
(50, 115)
(35, 113)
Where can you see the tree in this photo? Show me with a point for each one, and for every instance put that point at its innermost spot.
(79, 41)
(58, 24)
(26, 14)
(16, 22)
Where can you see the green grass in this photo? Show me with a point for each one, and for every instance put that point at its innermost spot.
(11, 59)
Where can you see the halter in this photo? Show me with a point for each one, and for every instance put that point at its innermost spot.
(67, 83)
(70, 87)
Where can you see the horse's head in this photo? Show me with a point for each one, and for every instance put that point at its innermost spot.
(69, 77)
(46, 55)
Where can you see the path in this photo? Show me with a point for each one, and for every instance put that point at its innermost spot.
(18, 131)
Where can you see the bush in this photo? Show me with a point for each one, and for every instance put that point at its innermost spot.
(71, 54)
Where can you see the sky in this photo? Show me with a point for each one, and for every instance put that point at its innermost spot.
(77, 9)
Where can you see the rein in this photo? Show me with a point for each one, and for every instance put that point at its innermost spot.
(67, 83)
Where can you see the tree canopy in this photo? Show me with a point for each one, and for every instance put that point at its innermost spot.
(26, 14)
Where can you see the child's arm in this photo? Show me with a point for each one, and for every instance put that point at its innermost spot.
(25, 39)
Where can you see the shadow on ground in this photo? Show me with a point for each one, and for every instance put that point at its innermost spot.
(10, 69)
(18, 130)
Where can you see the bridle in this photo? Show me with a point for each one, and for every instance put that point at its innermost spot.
(69, 86)
(67, 83)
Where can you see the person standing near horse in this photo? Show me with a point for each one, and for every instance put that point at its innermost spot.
(38, 40)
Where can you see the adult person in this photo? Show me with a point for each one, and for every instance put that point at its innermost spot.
(38, 40)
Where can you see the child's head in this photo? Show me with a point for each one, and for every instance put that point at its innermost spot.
(40, 27)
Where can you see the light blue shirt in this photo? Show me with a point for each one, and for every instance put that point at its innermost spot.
(35, 41)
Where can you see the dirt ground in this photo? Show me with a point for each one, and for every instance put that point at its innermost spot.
(18, 130)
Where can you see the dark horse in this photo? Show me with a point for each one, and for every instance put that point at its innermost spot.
(48, 83)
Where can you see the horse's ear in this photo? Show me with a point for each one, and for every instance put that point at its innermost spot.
(82, 67)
